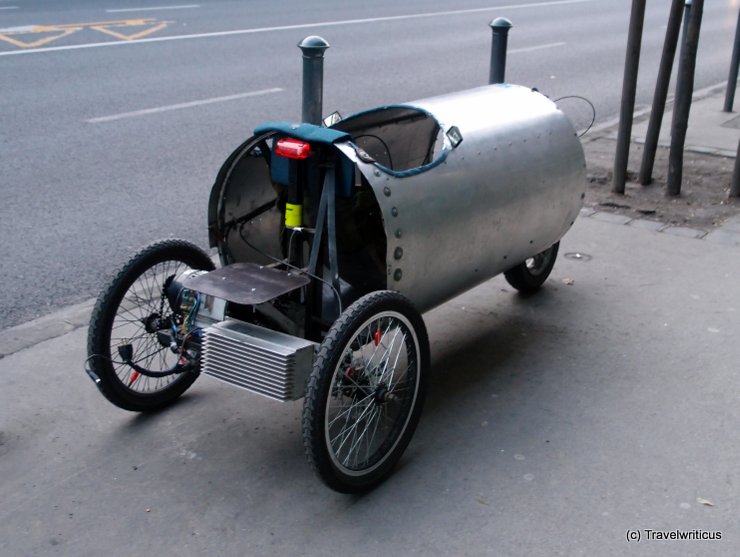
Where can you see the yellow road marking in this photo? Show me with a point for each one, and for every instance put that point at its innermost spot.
(133, 37)
(120, 22)
(65, 29)
(40, 42)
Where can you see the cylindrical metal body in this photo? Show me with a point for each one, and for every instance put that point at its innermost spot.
(313, 48)
(467, 185)
(500, 28)
(510, 189)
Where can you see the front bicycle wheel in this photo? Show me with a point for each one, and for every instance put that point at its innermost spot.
(133, 351)
(366, 391)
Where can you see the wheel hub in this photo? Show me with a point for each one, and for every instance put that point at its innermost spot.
(153, 323)
(381, 394)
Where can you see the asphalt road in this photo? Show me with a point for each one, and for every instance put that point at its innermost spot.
(108, 143)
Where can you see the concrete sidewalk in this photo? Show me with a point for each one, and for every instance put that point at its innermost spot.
(710, 130)
(554, 425)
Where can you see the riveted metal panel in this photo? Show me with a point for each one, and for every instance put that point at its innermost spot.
(509, 190)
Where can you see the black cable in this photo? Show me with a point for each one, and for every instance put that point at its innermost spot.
(593, 110)
(385, 145)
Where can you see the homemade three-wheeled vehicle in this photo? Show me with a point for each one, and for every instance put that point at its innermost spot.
(332, 241)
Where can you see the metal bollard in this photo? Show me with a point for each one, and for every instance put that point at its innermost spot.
(684, 93)
(629, 91)
(500, 27)
(686, 18)
(661, 92)
(313, 48)
(735, 186)
(732, 79)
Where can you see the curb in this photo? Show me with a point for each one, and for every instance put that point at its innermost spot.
(71, 318)
(727, 234)
(53, 325)
(31, 333)
(602, 129)
(26, 335)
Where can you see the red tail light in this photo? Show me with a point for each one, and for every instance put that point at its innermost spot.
(293, 148)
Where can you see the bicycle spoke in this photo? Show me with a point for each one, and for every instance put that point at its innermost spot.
(372, 393)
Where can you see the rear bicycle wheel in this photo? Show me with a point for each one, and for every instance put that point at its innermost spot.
(531, 274)
(134, 312)
(366, 392)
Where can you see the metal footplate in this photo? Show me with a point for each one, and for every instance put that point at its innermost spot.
(247, 283)
(259, 360)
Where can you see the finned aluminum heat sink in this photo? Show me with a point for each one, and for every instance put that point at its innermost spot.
(257, 359)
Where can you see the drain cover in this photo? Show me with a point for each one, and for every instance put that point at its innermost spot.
(577, 256)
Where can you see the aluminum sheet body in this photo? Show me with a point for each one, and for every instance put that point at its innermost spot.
(509, 190)
(455, 213)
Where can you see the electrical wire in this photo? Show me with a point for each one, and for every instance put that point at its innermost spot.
(188, 332)
(593, 110)
(380, 140)
(290, 241)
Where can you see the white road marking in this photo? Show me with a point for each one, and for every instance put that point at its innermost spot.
(152, 9)
(8, 7)
(180, 106)
(536, 47)
(297, 26)
(21, 29)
